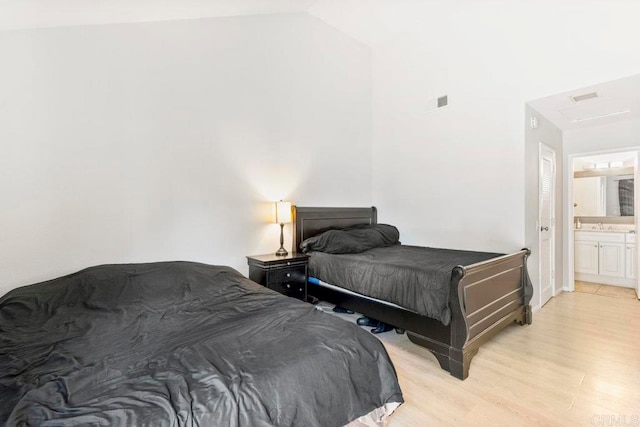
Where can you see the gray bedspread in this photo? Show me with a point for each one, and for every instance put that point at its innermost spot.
(169, 344)
(414, 277)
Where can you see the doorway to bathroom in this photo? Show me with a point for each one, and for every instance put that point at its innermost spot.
(603, 207)
(603, 118)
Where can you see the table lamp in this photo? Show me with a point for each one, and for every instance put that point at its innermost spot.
(283, 216)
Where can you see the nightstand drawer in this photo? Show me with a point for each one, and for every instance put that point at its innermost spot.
(295, 290)
(286, 275)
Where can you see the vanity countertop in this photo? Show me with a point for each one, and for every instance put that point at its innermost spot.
(612, 236)
(605, 230)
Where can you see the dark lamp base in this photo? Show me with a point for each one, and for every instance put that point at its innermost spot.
(282, 251)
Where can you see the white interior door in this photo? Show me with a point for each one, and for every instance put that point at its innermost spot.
(546, 196)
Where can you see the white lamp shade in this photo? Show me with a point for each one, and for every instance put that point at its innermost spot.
(283, 212)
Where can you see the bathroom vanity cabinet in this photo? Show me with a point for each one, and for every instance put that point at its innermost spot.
(605, 257)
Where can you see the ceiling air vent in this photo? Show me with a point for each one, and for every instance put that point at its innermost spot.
(584, 97)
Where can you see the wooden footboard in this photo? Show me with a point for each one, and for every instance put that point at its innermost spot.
(485, 297)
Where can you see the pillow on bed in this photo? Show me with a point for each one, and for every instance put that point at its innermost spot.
(352, 240)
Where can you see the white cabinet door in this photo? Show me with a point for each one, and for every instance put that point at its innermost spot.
(586, 257)
(631, 261)
(611, 259)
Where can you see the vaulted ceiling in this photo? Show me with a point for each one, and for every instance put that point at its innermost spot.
(369, 21)
(26, 14)
(571, 44)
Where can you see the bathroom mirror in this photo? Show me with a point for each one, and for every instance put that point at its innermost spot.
(604, 196)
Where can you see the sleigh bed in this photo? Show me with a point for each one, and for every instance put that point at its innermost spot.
(482, 297)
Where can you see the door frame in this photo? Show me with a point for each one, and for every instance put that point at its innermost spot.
(552, 245)
(567, 201)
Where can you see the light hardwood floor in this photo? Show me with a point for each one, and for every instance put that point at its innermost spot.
(577, 364)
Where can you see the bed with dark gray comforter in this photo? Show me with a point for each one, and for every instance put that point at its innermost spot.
(181, 343)
(449, 301)
(414, 277)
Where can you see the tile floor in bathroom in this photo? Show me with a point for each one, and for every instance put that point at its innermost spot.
(604, 290)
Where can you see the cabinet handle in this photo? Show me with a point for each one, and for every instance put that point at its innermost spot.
(288, 263)
(300, 289)
(288, 274)
(595, 246)
(288, 286)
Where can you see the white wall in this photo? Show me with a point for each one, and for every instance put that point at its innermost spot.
(451, 177)
(454, 177)
(551, 136)
(163, 141)
(616, 136)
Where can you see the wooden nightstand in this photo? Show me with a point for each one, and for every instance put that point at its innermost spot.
(284, 274)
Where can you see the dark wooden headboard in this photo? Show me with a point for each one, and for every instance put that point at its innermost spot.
(308, 222)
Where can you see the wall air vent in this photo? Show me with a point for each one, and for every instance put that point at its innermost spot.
(584, 97)
(434, 104)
